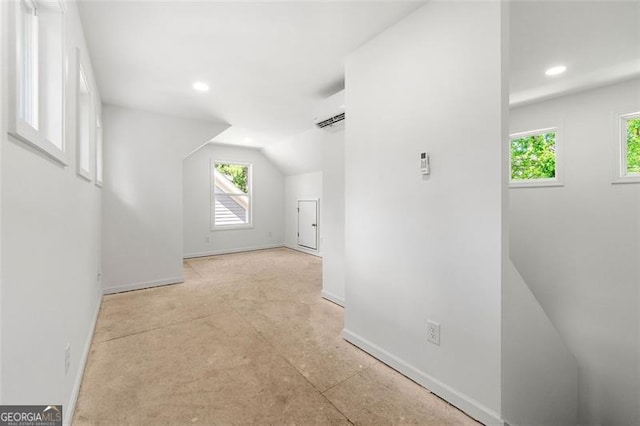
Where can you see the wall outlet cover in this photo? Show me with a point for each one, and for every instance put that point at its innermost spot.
(67, 358)
(433, 332)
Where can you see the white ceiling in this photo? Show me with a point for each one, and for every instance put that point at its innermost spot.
(598, 42)
(267, 62)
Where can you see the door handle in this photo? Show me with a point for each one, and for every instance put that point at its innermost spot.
(313, 224)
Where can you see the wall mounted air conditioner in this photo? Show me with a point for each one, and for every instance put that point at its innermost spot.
(329, 113)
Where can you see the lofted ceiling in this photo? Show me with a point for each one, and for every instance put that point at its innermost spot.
(598, 42)
(267, 63)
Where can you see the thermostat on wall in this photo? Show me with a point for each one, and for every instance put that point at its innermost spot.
(424, 163)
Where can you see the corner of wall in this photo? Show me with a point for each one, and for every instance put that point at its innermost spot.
(410, 247)
(539, 372)
(75, 391)
(63, 290)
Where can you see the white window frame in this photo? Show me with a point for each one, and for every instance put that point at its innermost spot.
(249, 224)
(620, 167)
(81, 76)
(27, 131)
(538, 183)
(99, 152)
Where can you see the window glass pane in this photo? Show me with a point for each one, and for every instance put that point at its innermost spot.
(99, 151)
(633, 146)
(28, 62)
(84, 122)
(533, 157)
(237, 174)
(51, 74)
(231, 194)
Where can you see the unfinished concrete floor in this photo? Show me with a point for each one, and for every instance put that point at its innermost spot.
(246, 339)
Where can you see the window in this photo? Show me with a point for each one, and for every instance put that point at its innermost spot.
(37, 79)
(534, 158)
(231, 195)
(99, 154)
(84, 123)
(28, 64)
(628, 167)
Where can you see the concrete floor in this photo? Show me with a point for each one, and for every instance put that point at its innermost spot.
(246, 339)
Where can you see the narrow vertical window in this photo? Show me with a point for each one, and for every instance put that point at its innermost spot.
(99, 152)
(631, 144)
(28, 63)
(231, 195)
(627, 149)
(83, 124)
(37, 78)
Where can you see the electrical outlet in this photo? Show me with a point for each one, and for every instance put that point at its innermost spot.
(433, 332)
(67, 358)
(269, 234)
(207, 239)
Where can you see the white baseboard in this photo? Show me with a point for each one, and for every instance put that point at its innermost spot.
(70, 408)
(332, 298)
(304, 250)
(230, 251)
(470, 406)
(139, 286)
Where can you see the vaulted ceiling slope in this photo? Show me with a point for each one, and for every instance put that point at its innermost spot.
(267, 63)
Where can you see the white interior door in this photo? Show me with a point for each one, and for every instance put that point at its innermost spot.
(308, 224)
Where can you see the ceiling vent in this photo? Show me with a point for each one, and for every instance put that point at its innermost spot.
(329, 113)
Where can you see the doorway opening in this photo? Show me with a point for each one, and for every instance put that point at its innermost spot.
(308, 224)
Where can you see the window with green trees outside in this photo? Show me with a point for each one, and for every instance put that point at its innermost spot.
(231, 205)
(633, 146)
(533, 156)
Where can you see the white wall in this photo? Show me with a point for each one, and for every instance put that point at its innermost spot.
(314, 164)
(298, 187)
(267, 208)
(3, 99)
(302, 153)
(539, 372)
(578, 248)
(429, 248)
(303, 158)
(50, 244)
(142, 205)
(333, 263)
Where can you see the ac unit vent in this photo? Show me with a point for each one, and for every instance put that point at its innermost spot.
(331, 121)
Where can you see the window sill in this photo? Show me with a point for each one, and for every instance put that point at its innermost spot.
(84, 175)
(29, 136)
(626, 180)
(536, 184)
(231, 227)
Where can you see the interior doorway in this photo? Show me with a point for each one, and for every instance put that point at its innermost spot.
(308, 224)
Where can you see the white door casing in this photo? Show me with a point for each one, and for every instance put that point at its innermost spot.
(308, 224)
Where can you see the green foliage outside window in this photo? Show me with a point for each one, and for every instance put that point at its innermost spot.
(236, 173)
(533, 157)
(633, 145)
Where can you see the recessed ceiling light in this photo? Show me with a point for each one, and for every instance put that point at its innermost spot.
(200, 86)
(248, 140)
(556, 70)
